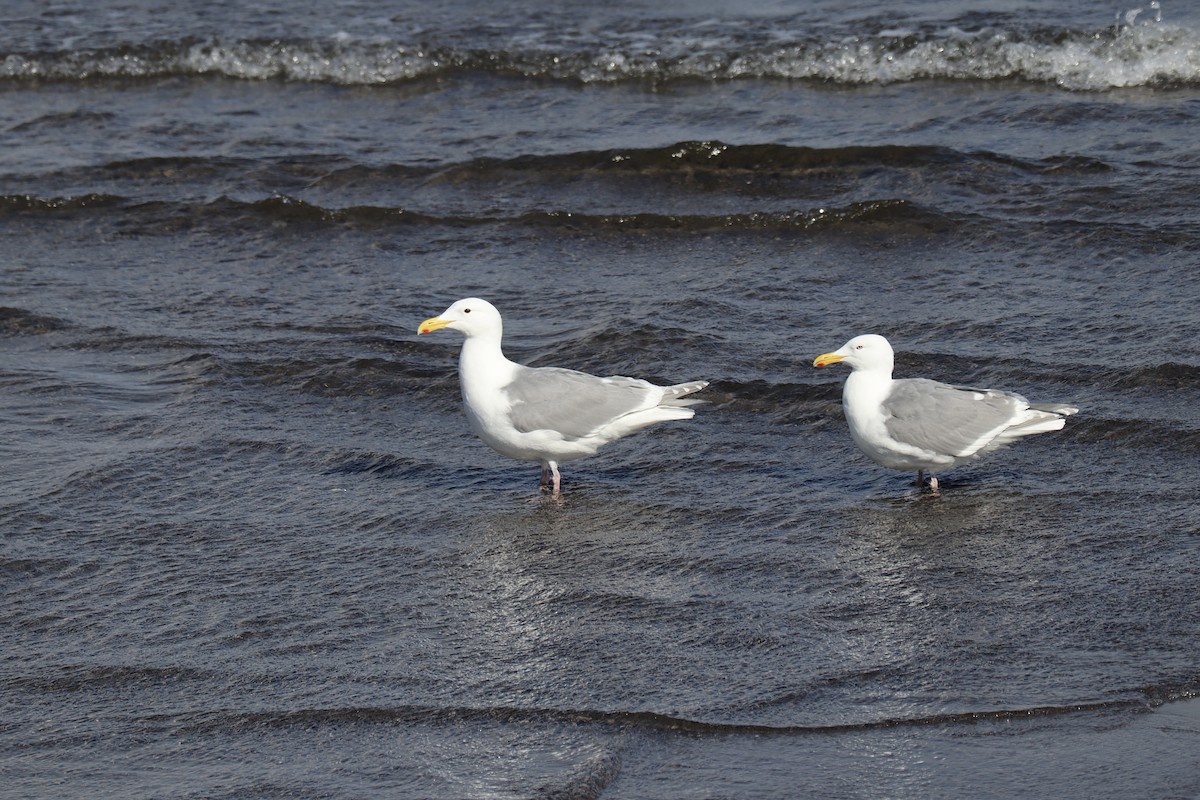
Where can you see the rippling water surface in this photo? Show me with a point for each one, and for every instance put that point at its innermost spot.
(250, 548)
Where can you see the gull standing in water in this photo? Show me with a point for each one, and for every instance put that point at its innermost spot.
(915, 423)
(548, 414)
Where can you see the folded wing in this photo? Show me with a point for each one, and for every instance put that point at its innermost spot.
(950, 420)
(573, 403)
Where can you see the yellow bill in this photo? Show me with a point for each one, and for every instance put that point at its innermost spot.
(825, 359)
(433, 324)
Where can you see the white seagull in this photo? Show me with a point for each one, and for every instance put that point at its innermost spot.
(915, 423)
(548, 414)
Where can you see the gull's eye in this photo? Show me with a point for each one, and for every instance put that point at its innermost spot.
(858, 347)
(466, 311)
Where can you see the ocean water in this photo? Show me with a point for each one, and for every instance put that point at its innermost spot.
(250, 548)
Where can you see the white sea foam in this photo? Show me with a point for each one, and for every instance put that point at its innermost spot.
(1140, 51)
(1142, 55)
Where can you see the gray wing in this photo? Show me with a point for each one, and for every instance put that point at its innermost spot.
(572, 403)
(946, 419)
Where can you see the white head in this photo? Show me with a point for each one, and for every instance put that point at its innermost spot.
(470, 317)
(870, 352)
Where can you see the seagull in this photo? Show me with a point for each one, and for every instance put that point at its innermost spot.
(915, 423)
(548, 414)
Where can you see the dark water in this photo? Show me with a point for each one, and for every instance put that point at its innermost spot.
(250, 549)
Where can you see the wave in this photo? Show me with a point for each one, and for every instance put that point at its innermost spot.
(298, 189)
(1146, 53)
(1148, 699)
(22, 322)
(1128, 433)
(896, 215)
(27, 202)
(683, 157)
(1169, 375)
(766, 172)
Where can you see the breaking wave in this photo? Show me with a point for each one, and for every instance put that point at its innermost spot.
(1138, 52)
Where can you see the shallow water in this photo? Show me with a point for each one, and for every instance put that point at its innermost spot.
(250, 548)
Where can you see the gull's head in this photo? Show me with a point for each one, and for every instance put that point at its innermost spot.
(470, 317)
(870, 352)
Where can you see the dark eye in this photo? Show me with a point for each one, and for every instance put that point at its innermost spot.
(859, 347)
(466, 311)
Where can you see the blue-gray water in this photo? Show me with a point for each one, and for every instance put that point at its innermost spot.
(251, 550)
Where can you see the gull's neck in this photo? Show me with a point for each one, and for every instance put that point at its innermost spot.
(482, 366)
(865, 389)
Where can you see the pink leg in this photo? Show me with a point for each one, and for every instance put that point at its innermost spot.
(933, 483)
(557, 477)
